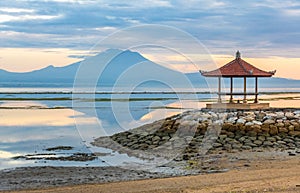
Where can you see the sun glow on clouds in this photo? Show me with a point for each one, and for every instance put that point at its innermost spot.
(36, 58)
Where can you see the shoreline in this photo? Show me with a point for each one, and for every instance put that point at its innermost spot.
(208, 142)
(261, 176)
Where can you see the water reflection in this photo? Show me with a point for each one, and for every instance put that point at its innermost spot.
(28, 127)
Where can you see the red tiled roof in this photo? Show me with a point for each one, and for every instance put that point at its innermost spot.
(237, 68)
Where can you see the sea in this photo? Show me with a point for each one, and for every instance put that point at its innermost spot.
(35, 118)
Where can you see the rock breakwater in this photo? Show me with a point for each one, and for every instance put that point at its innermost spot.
(205, 131)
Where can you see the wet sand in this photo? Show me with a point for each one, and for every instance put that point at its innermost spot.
(262, 176)
(252, 172)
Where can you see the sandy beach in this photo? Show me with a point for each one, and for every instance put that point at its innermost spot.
(260, 176)
(264, 158)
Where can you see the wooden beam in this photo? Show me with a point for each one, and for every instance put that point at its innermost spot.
(219, 90)
(231, 90)
(256, 90)
(245, 90)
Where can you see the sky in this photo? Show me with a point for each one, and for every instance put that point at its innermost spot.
(38, 33)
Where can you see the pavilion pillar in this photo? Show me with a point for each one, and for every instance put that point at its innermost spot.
(256, 90)
(219, 90)
(245, 90)
(231, 90)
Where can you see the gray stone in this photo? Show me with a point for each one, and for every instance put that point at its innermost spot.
(272, 139)
(250, 144)
(156, 138)
(267, 143)
(289, 115)
(281, 142)
(227, 146)
(241, 121)
(280, 115)
(236, 146)
(222, 137)
(246, 147)
(269, 121)
(257, 122)
(261, 138)
(258, 142)
(288, 140)
(242, 139)
(249, 124)
(232, 120)
(216, 145)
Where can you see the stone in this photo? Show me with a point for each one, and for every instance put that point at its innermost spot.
(156, 138)
(241, 121)
(227, 147)
(257, 142)
(261, 138)
(296, 112)
(283, 130)
(257, 122)
(256, 128)
(216, 145)
(272, 139)
(236, 146)
(227, 125)
(246, 147)
(291, 128)
(249, 124)
(288, 140)
(232, 120)
(280, 115)
(269, 121)
(242, 139)
(267, 143)
(294, 133)
(252, 133)
(289, 115)
(251, 144)
(270, 116)
(230, 134)
(280, 124)
(222, 137)
(265, 128)
(273, 130)
(278, 138)
(281, 142)
(260, 116)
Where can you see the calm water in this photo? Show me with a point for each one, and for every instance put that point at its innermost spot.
(34, 119)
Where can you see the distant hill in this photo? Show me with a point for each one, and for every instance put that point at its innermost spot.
(130, 65)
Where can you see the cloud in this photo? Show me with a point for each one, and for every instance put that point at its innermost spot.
(8, 18)
(16, 10)
(222, 25)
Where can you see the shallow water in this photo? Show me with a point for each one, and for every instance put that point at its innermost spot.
(32, 120)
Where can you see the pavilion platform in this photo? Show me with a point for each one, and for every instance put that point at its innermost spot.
(238, 106)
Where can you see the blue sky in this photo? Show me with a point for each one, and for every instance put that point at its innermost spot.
(261, 29)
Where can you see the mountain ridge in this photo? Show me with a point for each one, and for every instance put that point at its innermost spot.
(123, 63)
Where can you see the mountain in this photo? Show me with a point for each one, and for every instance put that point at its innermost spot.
(126, 68)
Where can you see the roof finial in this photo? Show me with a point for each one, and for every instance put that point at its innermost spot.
(238, 55)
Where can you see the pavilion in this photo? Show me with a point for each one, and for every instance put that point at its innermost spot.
(238, 68)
